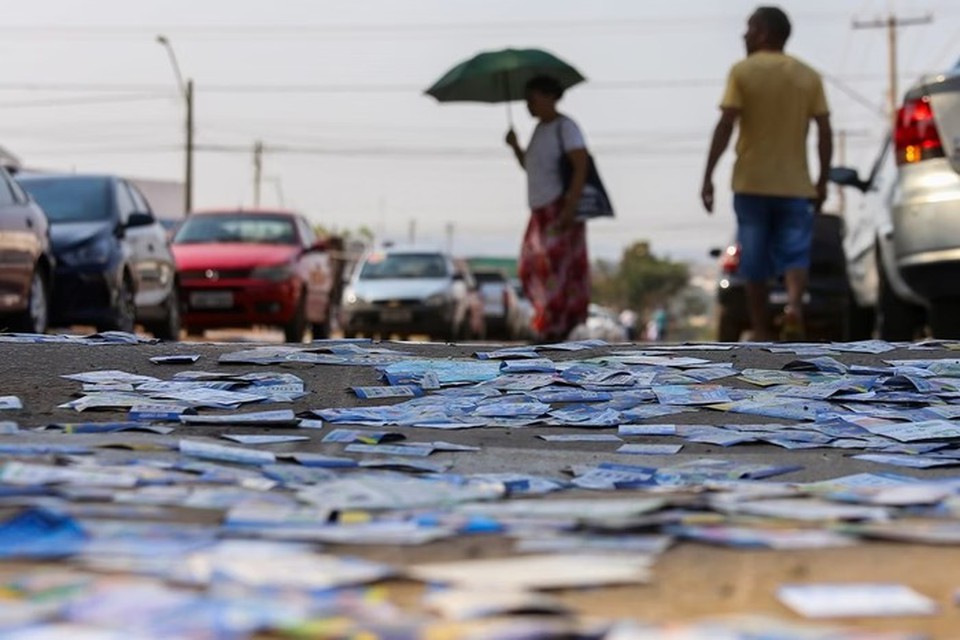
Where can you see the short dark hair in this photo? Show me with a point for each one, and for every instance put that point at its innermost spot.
(546, 85)
(776, 22)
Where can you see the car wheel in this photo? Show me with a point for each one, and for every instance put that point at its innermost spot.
(194, 332)
(293, 331)
(169, 327)
(730, 326)
(125, 312)
(35, 318)
(897, 320)
(945, 318)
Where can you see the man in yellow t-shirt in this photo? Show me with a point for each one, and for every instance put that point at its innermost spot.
(773, 97)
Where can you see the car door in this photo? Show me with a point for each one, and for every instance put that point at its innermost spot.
(20, 245)
(155, 263)
(315, 271)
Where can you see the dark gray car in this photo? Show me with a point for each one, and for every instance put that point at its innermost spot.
(114, 265)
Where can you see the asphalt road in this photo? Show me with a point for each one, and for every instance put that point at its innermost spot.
(691, 581)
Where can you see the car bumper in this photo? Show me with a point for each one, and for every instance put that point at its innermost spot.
(239, 304)
(84, 295)
(398, 319)
(926, 219)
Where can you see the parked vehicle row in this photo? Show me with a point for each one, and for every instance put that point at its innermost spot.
(87, 249)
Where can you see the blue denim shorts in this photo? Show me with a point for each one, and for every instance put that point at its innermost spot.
(774, 235)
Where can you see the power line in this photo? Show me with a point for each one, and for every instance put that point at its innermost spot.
(649, 24)
(82, 100)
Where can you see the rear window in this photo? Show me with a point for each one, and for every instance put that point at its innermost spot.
(241, 228)
(380, 266)
(71, 199)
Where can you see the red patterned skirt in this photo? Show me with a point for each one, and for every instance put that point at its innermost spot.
(555, 272)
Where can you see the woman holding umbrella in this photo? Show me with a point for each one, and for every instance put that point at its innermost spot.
(553, 264)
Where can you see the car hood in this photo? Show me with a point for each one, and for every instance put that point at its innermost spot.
(400, 288)
(231, 255)
(66, 235)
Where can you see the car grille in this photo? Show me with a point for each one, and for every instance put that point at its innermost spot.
(215, 274)
(408, 302)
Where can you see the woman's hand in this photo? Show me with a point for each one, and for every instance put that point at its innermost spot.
(511, 139)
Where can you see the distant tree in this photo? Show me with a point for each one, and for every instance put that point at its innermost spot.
(647, 280)
(641, 280)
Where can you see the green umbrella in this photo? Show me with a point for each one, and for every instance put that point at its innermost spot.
(501, 76)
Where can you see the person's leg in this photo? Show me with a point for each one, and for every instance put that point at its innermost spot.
(753, 229)
(793, 236)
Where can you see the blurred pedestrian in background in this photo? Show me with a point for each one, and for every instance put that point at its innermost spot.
(553, 263)
(773, 97)
(628, 320)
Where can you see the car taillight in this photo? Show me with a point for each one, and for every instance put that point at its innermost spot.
(730, 261)
(916, 135)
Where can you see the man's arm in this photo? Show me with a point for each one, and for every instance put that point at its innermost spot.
(825, 151)
(580, 162)
(518, 151)
(721, 139)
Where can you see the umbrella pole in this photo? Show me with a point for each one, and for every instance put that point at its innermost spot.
(506, 94)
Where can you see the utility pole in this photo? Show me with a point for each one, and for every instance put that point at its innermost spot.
(188, 178)
(449, 229)
(186, 90)
(257, 172)
(891, 24)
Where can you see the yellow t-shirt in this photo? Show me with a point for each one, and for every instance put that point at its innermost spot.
(777, 96)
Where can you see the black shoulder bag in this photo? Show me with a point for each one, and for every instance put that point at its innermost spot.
(594, 201)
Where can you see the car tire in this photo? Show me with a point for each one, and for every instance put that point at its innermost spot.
(730, 326)
(945, 318)
(36, 317)
(295, 329)
(897, 319)
(125, 312)
(169, 328)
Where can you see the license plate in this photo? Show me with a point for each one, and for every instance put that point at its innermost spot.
(396, 315)
(211, 299)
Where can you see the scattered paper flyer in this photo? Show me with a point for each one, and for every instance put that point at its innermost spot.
(538, 572)
(10, 402)
(176, 359)
(857, 600)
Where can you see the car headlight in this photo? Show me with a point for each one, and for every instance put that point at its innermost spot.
(273, 273)
(437, 300)
(94, 252)
(350, 297)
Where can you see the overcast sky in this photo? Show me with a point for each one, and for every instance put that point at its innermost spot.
(335, 88)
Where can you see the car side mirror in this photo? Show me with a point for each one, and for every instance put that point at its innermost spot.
(140, 219)
(715, 252)
(847, 177)
(319, 245)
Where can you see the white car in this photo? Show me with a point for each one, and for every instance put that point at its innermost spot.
(410, 291)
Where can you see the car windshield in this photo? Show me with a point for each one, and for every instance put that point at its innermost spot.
(381, 266)
(243, 228)
(71, 199)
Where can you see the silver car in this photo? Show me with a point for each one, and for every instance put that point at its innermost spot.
(409, 291)
(926, 204)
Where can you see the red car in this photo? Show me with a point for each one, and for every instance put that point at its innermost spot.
(247, 268)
